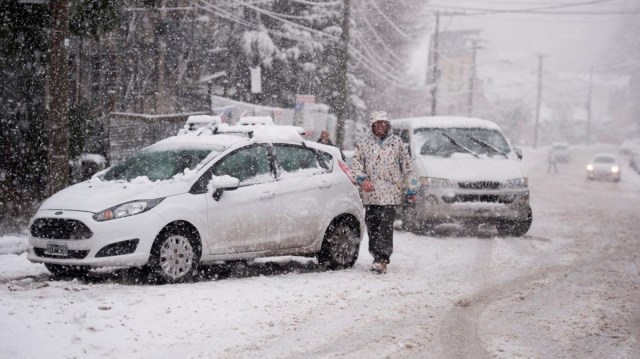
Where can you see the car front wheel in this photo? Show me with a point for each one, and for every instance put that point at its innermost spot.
(175, 255)
(340, 246)
(60, 270)
(515, 228)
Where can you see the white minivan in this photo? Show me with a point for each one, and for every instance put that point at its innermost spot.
(467, 172)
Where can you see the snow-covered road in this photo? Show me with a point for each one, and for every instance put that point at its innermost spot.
(569, 289)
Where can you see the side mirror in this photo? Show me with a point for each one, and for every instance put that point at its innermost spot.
(223, 183)
(518, 152)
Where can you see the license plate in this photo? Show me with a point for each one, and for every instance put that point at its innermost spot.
(56, 249)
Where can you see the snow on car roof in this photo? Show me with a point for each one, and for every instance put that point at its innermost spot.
(445, 122)
(605, 155)
(203, 137)
(223, 136)
(278, 133)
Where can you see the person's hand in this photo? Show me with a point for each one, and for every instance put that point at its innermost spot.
(411, 196)
(367, 186)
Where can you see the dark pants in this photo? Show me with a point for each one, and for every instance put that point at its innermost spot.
(379, 220)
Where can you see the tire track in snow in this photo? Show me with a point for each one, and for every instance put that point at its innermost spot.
(459, 334)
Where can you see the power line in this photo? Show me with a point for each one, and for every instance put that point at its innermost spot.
(366, 57)
(539, 10)
(391, 22)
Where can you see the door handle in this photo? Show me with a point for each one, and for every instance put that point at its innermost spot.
(324, 184)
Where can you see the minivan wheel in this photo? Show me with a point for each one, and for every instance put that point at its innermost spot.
(515, 228)
(61, 270)
(340, 246)
(174, 256)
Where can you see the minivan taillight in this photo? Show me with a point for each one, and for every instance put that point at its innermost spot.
(345, 168)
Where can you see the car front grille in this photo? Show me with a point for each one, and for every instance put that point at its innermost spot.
(60, 228)
(41, 252)
(479, 185)
(485, 198)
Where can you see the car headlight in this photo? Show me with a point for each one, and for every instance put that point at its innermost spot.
(435, 182)
(127, 209)
(589, 167)
(615, 169)
(517, 183)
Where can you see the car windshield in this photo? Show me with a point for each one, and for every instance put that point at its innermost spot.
(444, 142)
(604, 159)
(157, 165)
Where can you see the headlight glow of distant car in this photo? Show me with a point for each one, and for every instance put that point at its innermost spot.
(517, 183)
(589, 167)
(615, 169)
(126, 209)
(436, 182)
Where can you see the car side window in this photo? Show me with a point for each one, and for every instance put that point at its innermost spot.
(404, 135)
(292, 159)
(250, 165)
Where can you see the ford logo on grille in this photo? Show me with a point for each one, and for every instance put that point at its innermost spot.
(58, 213)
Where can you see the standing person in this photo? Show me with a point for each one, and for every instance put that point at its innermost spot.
(324, 138)
(384, 172)
(552, 161)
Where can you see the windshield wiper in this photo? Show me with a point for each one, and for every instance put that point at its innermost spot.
(486, 145)
(459, 145)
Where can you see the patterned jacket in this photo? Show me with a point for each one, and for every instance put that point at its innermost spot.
(387, 164)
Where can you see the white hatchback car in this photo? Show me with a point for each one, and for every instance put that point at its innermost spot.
(214, 194)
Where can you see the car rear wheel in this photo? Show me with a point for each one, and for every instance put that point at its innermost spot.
(61, 270)
(175, 255)
(515, 228)
(340, 246)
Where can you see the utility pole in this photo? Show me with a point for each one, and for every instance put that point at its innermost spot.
(589, 107)
(58, 83)
(343, 68)
(472, 78)
(535, 131)
(436, 70)
(162, 97)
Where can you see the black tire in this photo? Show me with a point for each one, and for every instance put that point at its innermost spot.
(175, 255)
(67, 271)
(408, 224)
(515, 228)
(341, 245)
(425, 229)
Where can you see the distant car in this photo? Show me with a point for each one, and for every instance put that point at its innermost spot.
(630, 146)
(604, 166)
(634, 161)
(86, 166)
(208, 195)
(562, 151)
(348, 157)
(467, 172)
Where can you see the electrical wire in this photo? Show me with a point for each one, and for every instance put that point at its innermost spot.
(391, 22)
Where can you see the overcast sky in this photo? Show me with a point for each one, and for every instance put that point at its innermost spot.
(571, 42)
